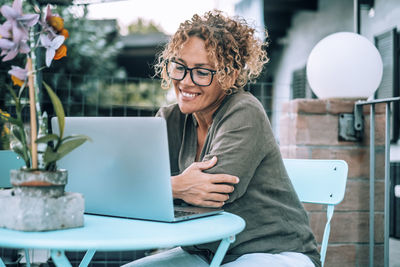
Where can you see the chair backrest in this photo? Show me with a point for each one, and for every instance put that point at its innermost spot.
(8, 160)
(320, 182)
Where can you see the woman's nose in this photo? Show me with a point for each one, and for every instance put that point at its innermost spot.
(188, 79)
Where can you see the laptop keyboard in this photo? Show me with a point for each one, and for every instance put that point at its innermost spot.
(182, 213)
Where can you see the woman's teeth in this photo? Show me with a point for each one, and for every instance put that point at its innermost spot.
(188, 94)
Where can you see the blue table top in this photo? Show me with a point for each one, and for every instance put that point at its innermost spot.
(110, 233)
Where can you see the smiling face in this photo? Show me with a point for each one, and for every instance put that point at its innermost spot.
(200, 100)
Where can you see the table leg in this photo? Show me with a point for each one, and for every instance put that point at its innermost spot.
(59, 258)
(87, 258)
(27, 258)
(220, 253)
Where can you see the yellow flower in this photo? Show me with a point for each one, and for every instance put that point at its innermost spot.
(16, 81)
(60, 52)
(5, 131)
(5, 114)
(65, 33)
(56, 22)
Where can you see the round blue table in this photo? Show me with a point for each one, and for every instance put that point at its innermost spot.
(117, 234)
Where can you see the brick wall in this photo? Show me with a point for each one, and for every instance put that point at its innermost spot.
(309, 129)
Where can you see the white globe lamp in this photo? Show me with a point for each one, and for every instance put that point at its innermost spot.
(344, 65)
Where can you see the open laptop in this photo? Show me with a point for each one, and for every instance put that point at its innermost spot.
(8, 160)
(125, 170)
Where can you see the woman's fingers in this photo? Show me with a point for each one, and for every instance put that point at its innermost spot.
(212, 204)
(221, 188)
(203, 189)
(204, 165)
(217, 197)
(215, 200)
(224, 178)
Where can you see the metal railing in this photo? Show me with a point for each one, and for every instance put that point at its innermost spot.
(372, 104)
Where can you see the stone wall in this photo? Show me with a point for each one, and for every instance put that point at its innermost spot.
(309, 129)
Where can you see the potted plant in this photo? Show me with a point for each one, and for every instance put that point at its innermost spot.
(4, 133)
(37, 199)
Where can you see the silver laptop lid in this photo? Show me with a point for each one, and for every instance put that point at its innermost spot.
(8, 160)
(125, 170)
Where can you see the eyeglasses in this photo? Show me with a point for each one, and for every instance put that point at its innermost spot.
(200, 76)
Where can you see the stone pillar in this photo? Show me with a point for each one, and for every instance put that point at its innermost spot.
(309, 130)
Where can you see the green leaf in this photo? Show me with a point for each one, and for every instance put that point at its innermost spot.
(73, 136)
(14, 121)
(50, 155)
(18, 148)
(68, 146)
(14, 96)
(21, 153)
(17, 131)
(21, 90)
(58, 108)
(47, 138)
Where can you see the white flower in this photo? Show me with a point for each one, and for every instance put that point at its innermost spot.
(51, 46)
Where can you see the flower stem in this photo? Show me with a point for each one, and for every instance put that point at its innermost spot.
(32, 106)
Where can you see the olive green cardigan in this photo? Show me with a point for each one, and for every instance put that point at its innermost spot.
(242, 139)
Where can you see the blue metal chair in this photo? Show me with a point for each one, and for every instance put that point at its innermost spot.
(8, 160)
(319, 182)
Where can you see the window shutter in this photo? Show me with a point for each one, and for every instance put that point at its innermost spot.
(298, 84)
(388, 46)
(300, 87)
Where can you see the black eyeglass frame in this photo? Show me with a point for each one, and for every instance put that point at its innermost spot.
(213, 72)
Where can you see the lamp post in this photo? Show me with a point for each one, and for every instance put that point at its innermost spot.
(344, 65)
(347, 65)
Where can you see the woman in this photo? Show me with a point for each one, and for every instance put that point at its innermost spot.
(222, 150)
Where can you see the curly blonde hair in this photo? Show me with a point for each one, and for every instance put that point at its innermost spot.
(230, 43)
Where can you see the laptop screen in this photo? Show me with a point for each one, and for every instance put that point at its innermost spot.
(124, 171)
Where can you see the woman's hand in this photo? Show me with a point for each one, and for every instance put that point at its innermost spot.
(203, 189)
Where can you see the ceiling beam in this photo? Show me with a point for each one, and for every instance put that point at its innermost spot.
(290, 5)
(278, 16)
(278, 20)
(277, 24)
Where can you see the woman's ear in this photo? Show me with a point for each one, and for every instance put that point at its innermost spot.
(166, 81)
